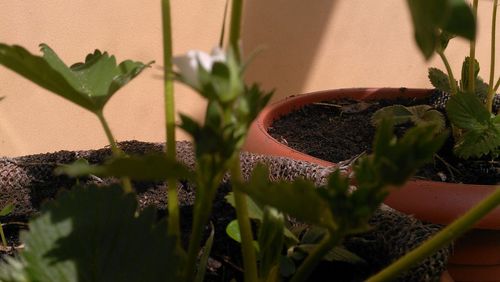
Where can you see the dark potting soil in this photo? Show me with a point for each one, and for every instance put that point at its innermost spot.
(340, 130)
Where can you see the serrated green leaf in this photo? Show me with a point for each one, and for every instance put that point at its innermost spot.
(288, 197)
(89, 84)
(93, 234)
(36, 69)
(440, 80)
(478, 142)
(7, 209)
(146, 167)
(466, 111)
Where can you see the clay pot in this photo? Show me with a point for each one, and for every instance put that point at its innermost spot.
(476, 255)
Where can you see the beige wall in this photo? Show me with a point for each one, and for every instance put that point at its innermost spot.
(310, 45)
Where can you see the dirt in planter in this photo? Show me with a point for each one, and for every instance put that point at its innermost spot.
(340, 130)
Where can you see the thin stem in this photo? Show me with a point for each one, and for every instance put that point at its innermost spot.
(451, 77)
(235, 31)
(2, 234)
(496, 85)
(440, 240)
(453, 87)
(127, 185)
(307, 267)
(172, 198)
(472, 55)
(247, 248)
(202, 209)
(491, 92)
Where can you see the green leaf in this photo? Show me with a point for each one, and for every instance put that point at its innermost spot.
(256, 213)
(289, 197)
(94, 234)
(440, 80)
(418, 115)
(270, 240)
(233, 231)
(393, 160)
(464, 81)
(36, 69)
(482, 130)
(427, 16)
(89, 84)
(466, 111)
(432, 17)
(202, 265)
(460, 21)
(146, 167)
(7, 209)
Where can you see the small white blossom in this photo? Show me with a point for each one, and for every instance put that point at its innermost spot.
(188, 64)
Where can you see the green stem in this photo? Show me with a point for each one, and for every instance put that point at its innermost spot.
(453, 88)
(440, 240)
(496, 85)
(472, 55)
(202, 209)
(247, 247)
(451, 77)
(127, 185)
(235, 31)
(172, 198)
(491, 92)
(2, 234)
(306, 268)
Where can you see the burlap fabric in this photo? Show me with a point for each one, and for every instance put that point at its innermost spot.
(28, 181)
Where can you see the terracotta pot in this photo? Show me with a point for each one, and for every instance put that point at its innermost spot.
(476, 255)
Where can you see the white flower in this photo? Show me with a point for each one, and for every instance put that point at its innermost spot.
(188, 64)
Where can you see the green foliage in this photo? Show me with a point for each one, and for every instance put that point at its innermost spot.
(464, 81)
(418, 115)
(255, 212)
(7, 209)
(202, 265)
(271, 241)
(312, 237)
(440, 80)
(482, 129)
(94, 234)
(432, 17)
(89, 84)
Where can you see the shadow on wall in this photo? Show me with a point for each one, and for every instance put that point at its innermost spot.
(291, 32)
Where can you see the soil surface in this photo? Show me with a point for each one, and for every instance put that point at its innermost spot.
(340, 130)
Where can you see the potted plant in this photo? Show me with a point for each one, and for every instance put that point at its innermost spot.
(108, 223)
(474, 256)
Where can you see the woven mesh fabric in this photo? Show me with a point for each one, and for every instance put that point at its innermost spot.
(438, 100)
(28, 181)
